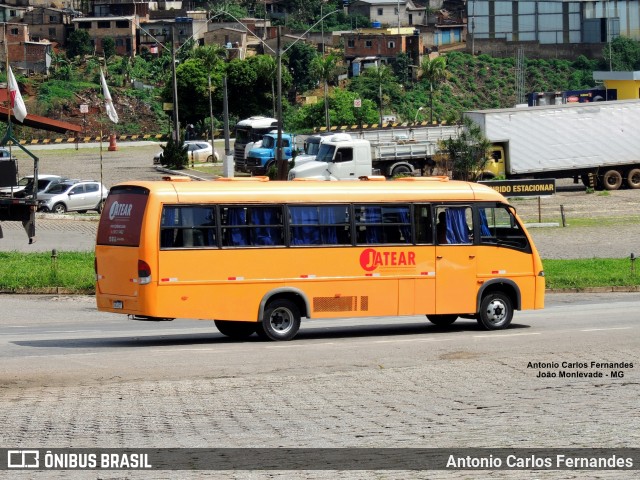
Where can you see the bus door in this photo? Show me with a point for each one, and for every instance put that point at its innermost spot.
(455, 260)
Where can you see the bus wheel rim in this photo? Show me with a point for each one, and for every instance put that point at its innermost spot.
(496, 312)
(281, 320)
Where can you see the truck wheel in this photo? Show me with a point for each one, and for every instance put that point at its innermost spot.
(611, 180)
(401, 170)
(633, 178)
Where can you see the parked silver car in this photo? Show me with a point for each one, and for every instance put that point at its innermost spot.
(73, 196)
(25, 185)
(198, 151)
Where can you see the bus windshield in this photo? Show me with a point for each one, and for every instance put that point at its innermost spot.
(325, 153)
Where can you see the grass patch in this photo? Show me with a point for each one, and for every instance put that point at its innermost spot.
(74, 271)
(592, 272)
(586, 222)
(25, 271)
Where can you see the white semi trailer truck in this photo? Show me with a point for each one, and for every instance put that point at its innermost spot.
(596, 142)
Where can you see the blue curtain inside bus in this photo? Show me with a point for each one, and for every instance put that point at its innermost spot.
(238, 237)
(484, 225)
(457, 228)
(318, 224)
(267, 235)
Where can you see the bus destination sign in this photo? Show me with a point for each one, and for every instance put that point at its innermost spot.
(523, 188)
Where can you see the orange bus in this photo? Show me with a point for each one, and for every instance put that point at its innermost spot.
(258, 256)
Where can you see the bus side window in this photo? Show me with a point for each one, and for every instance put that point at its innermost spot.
(499, 227)
(455, 225)
(424, 224)
(266, 223)
(234, 223)
(319, 225)
(188, 226)
(383, 224)
(252, 226)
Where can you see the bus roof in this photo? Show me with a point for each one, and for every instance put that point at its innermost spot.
(312, 191)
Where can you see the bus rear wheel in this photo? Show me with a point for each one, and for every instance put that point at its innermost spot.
(442, 320)
(236, 329)
(496, 311)
(280, 322)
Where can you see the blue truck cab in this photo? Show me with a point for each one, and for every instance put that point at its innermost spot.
(260, 160)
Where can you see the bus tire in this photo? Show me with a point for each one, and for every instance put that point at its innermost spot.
(496, 311)
(280, 322)
(612, 180)
(633, 178)
(239, 330)
(442, 320)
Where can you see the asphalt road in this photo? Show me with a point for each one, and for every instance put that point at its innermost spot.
(77, 377)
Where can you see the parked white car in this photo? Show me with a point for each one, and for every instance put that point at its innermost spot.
(198, 151)
(73, 196)
(25, 185)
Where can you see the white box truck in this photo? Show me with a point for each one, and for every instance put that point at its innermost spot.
(342, 157)
(597, 142)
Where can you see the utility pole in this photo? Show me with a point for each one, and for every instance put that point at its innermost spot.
(227, 166)
(176, 121)
(280, 163)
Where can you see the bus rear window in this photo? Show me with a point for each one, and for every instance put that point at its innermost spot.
(121, 219)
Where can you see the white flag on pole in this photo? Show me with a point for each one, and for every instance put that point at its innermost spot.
(108, 103)
(17, 104)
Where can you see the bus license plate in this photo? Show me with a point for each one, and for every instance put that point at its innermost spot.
(117, 304)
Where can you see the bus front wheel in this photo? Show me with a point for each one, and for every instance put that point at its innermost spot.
(496, 311)
(281, 321)
(442, 320)
(237, 330)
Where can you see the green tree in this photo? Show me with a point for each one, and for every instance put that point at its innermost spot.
(378, 84)
(267, 69)
(192, 89)
(211, 57)
(434, 71)
(622, 54)
(62, 68)
(174, 154)
(300, 57)
(466, 155)
(108, 48)
(402, 69)
(249, 92)
(324, 69)
(79, 43)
